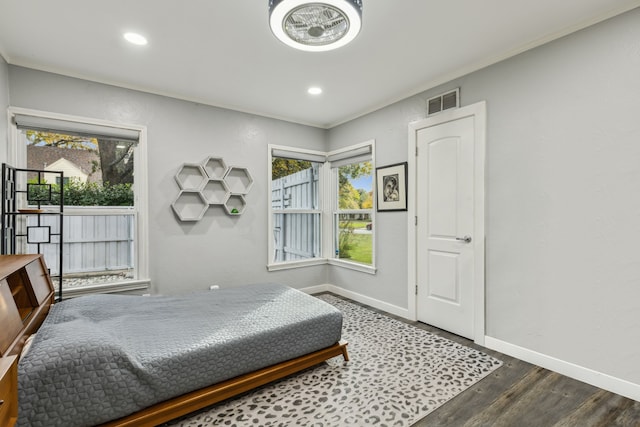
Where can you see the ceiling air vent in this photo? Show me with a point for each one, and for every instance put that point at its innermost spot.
(443, 102)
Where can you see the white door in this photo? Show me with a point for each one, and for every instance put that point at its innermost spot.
(445, 225)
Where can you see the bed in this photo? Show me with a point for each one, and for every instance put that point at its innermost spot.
(118, 360)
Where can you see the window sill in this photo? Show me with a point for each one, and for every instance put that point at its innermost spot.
(296, 264)
(353, 266)
(320, 261)
(107, 288)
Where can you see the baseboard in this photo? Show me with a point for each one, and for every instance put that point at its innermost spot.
(315, 289)
(580, 373)
(372, 302)
(362, 299)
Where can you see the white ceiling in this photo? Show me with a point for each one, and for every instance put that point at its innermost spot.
(222, 53)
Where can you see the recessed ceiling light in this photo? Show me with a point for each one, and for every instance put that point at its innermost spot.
(135, 38)
(314, 90)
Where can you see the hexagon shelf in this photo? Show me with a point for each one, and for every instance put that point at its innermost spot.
(239, 180)
(235, 204)
(190, 205)
(215, 167)
(210, 183)
(190, 176)
(215, 191)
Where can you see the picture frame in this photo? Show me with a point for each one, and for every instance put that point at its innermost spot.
(391, 187)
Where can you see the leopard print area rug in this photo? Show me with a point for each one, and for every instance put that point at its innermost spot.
(396, 375)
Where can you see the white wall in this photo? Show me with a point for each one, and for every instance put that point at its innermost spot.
(562, 203)
(4, 103)
(219, 249)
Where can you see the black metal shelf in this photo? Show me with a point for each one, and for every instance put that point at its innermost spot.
(28, 189)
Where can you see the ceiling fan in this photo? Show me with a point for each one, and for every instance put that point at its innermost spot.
(315, 26)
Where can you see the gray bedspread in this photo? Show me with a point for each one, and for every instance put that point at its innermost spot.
(101, 357)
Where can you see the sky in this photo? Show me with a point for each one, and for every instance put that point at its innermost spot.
(364, 183)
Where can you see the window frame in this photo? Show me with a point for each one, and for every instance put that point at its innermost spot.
(17, 155)
(327, 204)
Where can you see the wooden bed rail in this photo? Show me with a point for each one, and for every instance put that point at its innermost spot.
(199, 399)
(26, 295)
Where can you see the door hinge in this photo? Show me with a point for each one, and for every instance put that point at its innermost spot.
(416, 151)
(416, 289)
(416, 220)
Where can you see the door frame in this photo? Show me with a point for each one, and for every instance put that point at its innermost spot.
(478, 112)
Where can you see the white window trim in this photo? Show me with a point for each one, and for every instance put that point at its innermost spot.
(17, 155)
(107, 288)
(327, 192)
(353, 265)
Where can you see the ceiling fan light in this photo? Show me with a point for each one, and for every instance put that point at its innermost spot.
(315, 26)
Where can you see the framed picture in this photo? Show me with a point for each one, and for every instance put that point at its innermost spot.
(391, 187)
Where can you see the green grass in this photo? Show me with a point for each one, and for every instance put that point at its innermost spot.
(354, 224)
(361, 248)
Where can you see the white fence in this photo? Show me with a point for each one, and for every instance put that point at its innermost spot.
(296, 235)
(91, 243)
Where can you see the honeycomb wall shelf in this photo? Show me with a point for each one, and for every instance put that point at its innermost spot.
(239, 180)
(211, 183)
(214, 167)
(190, 176)
(235, 204)
(215, 191)
(190, 205)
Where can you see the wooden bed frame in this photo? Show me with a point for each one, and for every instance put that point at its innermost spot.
(26, 295)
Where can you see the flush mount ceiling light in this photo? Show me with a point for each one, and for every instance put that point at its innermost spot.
(315, 26)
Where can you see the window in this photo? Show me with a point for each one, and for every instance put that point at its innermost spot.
(352, 216)
(65, 180)
(322, 208)
(296, 212)
(104, 236)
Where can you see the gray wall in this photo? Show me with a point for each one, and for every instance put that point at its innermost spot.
(4, 103)
(562, 197)
(563, 211)
(389, 128)
(219, 249)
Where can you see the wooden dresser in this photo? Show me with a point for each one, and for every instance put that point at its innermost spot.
(8, 390)
(26, 293)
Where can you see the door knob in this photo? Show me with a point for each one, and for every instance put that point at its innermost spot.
(465, 239)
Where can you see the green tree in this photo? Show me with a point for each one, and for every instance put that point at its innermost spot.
(284, 167)
(61, 140)
(116, 161)
(116, 157)
(353, 171)
(366, 200)
(349, 197)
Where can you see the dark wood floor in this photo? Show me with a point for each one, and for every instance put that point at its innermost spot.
(519, 394)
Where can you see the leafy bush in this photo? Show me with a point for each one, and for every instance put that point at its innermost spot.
(78, 193)
(345, 237)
